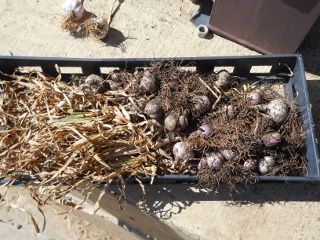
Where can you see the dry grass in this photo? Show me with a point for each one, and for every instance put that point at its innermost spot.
(59, 135)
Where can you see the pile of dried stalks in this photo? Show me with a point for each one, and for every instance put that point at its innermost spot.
(61, 134)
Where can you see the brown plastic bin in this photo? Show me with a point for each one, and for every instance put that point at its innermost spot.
(266, 26)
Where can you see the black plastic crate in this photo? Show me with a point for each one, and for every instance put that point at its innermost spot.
(295, 87)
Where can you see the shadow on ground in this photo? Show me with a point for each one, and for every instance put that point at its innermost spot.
(310, 49)
(166, 200)
(115, 38)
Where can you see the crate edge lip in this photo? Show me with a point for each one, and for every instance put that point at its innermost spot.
(76, 59)
(260, 178)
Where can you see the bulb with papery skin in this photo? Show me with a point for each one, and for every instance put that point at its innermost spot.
(73, 6)
(154, 109)
(230, 111)
(201, 104)
(103, 31)
(224, 80)
(181, 152)
(204, 131)
(202, 163)
(229, 155)
(276, 109)
(266, 165)
(255, 97)
(271, 140)
(213, 160)
(148, 83)
(174, 122)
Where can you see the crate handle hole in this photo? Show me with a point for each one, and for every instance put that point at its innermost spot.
(227, 68)
(261, 69)
(295, 93)
(29, 69)
(107, 70)
(71, 70)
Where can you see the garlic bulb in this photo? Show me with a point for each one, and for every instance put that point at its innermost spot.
(154, 109)
(229, 155)
(175, 122)
(94, 81)
(224, 80)
(181, 152)
(277, 109)
(204, 131)
(213, 160)
(148, 83)
(74, 7)
(201, 104)
(103, 31)
(255, 97)
(271, 139)
(266, 164)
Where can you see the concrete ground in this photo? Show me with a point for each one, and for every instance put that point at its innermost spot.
(160, 28)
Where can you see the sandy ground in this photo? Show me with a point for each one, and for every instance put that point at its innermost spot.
(159, 28)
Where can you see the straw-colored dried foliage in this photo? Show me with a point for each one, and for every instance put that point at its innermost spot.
(69, 23)
(93, 26)
(60, 133)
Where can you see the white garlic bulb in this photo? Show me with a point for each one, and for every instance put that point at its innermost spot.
(73, 6)
(266, 164)
(103, 31)
(229, 155)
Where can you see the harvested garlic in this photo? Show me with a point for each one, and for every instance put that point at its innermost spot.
(272, 139)
(73, 7)
(97, 27)
(103, 29)
(266, 164)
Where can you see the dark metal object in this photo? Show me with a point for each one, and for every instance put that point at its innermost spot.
(295, 88)
(268, 27)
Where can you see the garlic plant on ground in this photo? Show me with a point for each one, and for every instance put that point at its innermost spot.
(98, 27)
(143, 123)
(73, 12)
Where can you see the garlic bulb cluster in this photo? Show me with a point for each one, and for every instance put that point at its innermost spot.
(276, 109)
(230, 111)
(74, 7)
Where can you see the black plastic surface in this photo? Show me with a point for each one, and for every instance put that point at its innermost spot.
(295, 87)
